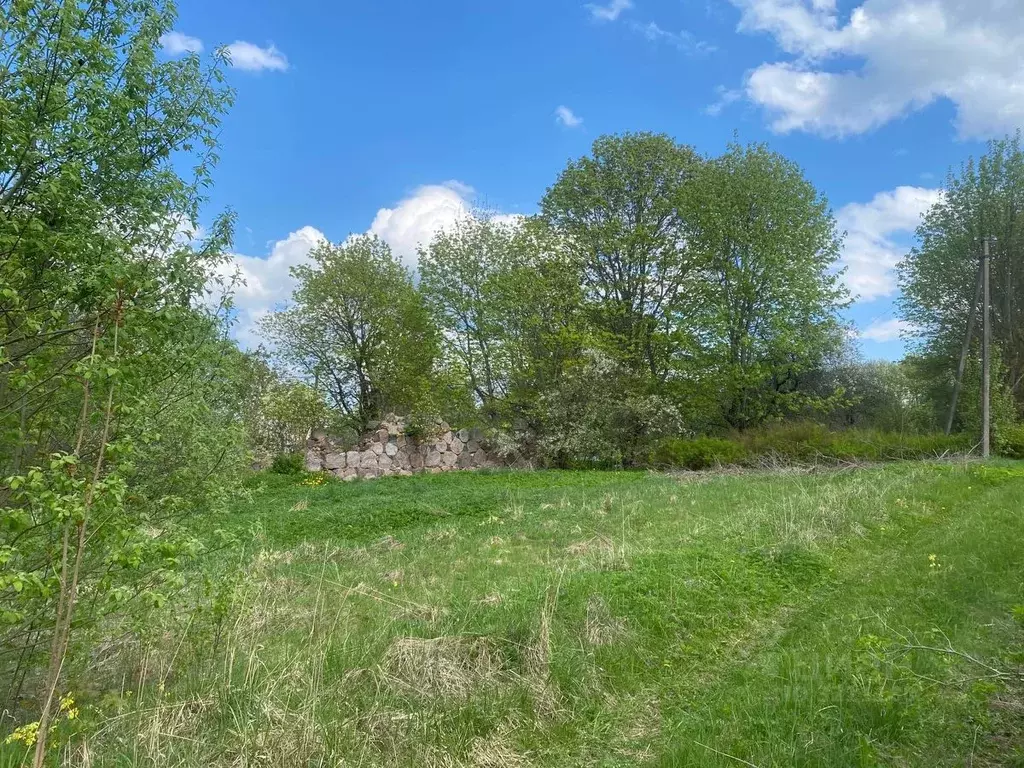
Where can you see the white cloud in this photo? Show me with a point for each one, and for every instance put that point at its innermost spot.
(265, 283)
(252, 58)
(609, 12)
(871, 252)
(416, 219)
(411, 223)
(682, 40)
(568, 118)
(887, 330)
(887, 59)
(177, 43)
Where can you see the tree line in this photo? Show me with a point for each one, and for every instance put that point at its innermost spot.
(656, 292)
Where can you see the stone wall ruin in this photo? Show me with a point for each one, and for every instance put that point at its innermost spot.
(387, 450)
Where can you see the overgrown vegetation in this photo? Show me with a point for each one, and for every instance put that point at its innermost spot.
(662, 309)
(850, 618)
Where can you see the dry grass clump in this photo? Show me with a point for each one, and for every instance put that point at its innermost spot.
(494, 751)
(450, 667)
(602, 628)
(600, 553)
(388, 543)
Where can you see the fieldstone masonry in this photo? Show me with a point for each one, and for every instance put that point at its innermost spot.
(388, 450)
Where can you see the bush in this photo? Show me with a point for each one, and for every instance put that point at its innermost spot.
(1010, 442)
(288, 464)
(699, 453)
(808, 443)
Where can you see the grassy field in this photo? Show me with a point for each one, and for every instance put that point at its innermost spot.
(854, 618)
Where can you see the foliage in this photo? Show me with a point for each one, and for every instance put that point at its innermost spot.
(621, 215)
(1009, 441)
(288, 464)
(614, 424)
(115, 420)
(359, 330)
(507, 303)
(882, 395)
(698, 453)
(767, 244)
(938, 278)
(803, 443)
(809, 442)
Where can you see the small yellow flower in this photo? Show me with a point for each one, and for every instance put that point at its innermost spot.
(26, 734)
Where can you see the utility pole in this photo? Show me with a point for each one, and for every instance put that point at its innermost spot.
(986, 352)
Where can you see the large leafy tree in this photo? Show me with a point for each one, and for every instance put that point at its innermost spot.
(508, 305)
(766, 243)
(622, 217)
(358, 330)
(938, 277)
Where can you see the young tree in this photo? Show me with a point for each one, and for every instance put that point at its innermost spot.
(622, 216)
(767, 245)
(359, 330)
(105, 344)
(938, 277)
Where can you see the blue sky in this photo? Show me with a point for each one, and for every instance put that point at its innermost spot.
(392, 117)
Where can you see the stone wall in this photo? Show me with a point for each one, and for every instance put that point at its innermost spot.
(388, 450)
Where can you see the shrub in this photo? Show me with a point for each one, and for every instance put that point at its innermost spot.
(1010, 442)
(288, 464)
(698, 453)
(807, 443)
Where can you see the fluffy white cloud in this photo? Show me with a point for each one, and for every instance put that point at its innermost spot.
(887, 59)
(253, 58)
(416, 219)
(177, 43)
(609, 12)
(887, 330)
(871, 253)
(568, 118)
(266, 282)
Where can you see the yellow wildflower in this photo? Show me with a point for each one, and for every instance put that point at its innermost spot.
(26, 734)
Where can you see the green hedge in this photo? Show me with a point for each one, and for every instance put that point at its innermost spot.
(804, 443)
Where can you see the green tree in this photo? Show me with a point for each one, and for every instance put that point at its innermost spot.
(358, 328)
(938, 277)
(508, 304)
(767, 245)
(622, 216)
(113, 418)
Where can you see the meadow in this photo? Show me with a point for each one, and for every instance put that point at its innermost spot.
(860, 617)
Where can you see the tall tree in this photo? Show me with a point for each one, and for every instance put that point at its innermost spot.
(767, 245)
(938, 277)
(358, 329)
(622, 216)
(507, 302)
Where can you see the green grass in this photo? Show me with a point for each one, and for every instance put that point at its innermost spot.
(594, 619)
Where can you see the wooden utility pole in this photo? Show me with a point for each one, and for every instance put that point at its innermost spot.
(964, 350)
(986, 352)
